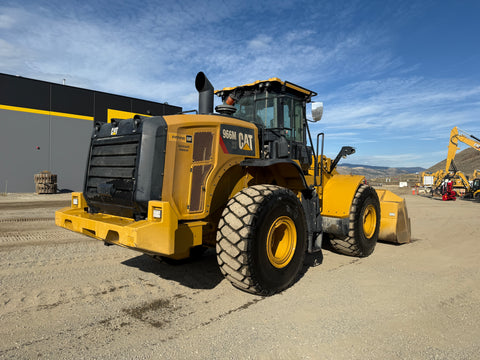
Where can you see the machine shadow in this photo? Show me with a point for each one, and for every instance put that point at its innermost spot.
(201, 273)
(196, 273)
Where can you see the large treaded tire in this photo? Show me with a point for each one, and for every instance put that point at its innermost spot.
(46, 188)
(364, 224)
(45, 183)
(254, 219)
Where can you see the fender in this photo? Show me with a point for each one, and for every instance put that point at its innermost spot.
(288, 170)
(337, 199)
(338, 195)
(290, 175)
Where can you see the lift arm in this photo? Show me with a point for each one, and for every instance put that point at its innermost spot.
(457, 135)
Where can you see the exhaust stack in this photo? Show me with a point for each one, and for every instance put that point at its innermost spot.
(205, 94)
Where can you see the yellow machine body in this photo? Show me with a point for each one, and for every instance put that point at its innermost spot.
(208, 159)
(191, 189)
(338, 194)
(164, 235)
(178, 229)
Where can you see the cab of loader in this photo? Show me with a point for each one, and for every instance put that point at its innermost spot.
(278, 109)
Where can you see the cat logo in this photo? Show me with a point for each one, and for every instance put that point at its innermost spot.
(245, 141)
(114, 131)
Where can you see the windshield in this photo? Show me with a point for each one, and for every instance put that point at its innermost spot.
(273, 112)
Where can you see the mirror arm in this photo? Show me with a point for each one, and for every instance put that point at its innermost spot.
(344, 152)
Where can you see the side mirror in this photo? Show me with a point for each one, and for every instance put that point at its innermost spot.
(317, 111)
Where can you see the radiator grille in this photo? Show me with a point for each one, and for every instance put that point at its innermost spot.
(112, 170)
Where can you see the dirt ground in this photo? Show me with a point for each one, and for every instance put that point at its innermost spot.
(63, 296)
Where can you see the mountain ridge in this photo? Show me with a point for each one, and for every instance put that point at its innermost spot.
(466, 161)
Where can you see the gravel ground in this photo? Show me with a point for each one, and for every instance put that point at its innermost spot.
(63, 296)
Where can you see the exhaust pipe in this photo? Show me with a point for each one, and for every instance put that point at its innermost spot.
(205, 94)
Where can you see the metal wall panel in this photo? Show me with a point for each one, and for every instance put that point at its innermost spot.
(70, 140)
(21, 134)
(18, 91)
(47, 126)
(42, 142)
(72, 100)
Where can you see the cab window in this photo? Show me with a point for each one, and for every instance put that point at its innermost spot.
(293, 118)
(265, 112)
(245, 109)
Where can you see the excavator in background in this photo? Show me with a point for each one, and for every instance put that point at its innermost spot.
(457, 135)
(472, 189)
(451, 181)
(246, 180)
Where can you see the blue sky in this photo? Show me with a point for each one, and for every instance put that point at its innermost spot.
(394, 76)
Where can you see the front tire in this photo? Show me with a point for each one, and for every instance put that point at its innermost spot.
(261, 239)
(364, 224)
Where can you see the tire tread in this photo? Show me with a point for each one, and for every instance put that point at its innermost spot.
(236, 230)
(349, 245)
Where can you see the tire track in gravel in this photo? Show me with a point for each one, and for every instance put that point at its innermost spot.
(57, 204)
(164, 318)
(15, 239)
(26, 225)
(47, 298)
(25, 231)
(24, 219)
(69, 251)
(50, 275)
(22, 236)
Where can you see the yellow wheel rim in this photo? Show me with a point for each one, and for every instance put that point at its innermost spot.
(281, 242)
(369, 221)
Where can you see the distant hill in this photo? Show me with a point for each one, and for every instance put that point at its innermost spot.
(466, 161)
(372, 172)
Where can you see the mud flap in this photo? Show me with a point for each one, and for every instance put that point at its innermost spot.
(394, 221)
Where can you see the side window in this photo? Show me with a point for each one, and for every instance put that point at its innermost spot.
(244, 109)
(265, 113)
(288, 117)
(293, 119)
(298, 127)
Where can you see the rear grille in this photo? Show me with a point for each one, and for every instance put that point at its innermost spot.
(111, 172)
(125, 166)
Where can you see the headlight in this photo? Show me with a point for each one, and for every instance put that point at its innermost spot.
(157, 213)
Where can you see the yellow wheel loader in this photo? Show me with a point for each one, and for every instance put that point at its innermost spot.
(244, 180)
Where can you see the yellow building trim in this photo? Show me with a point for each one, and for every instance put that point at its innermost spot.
(45, 112)
(120, 114)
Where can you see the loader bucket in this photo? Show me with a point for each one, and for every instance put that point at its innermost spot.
(394, 220)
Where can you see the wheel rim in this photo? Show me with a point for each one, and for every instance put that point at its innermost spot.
(281, 242)
(369, 221)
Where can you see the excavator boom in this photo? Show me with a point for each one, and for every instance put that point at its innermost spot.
(457, 135)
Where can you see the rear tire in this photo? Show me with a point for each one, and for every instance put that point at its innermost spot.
(261, 239)
(364, 224)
